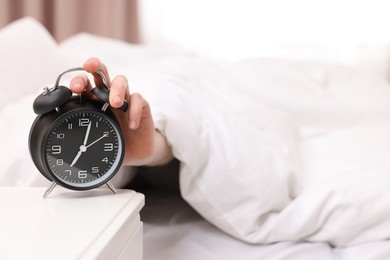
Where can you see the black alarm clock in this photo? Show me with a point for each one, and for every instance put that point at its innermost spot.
(76, 141)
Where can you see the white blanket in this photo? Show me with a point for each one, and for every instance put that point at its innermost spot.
(270, 150)
(277, 151)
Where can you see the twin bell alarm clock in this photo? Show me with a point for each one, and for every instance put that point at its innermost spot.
(76, 141)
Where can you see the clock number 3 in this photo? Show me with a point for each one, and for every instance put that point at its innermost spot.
(108, 147)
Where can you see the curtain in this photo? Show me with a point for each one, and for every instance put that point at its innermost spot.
(63, 18)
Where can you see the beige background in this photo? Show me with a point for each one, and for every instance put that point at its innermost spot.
(63, 18)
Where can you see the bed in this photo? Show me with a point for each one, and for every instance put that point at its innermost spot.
(323, 136)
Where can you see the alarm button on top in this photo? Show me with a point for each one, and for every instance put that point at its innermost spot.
(50, 100)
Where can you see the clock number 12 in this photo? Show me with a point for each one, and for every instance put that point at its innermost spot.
(83, 121)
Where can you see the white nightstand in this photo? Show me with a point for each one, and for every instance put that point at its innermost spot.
(94, 224)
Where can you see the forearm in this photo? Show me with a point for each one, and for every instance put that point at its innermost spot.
(162, 153)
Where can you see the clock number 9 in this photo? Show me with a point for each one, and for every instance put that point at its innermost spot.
(56, 149)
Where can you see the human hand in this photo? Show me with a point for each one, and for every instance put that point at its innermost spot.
(144, 145)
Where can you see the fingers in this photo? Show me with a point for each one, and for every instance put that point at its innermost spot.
(119, 91)
(94, 64)
(80, 84)
(118, 88)
(139, 107)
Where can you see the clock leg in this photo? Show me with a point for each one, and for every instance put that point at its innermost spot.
(49, 190)
(112, 188)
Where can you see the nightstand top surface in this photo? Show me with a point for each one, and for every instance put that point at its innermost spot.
(65, 225)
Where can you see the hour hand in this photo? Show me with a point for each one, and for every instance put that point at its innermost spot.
(76, 158)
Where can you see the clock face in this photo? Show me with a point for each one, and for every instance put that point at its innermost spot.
(83, 149)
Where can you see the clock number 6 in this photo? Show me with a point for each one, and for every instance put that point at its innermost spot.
(82, 174)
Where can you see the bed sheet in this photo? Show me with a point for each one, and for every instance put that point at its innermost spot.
(173, 229)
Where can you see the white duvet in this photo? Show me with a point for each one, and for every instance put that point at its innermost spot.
(275, 151)
(270, 150)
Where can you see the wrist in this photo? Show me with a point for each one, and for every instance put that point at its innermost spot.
(162, 153)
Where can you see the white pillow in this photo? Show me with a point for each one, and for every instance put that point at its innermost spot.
(29, 59)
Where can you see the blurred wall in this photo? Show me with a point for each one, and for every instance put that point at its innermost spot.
(63, 18)
(352, 32)
(238, 28)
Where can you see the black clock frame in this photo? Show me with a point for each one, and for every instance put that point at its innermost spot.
(44, 122)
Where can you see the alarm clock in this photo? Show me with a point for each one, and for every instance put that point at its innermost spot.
(76, 141)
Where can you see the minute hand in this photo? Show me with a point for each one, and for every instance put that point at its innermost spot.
(87, 134)
(97, 140)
